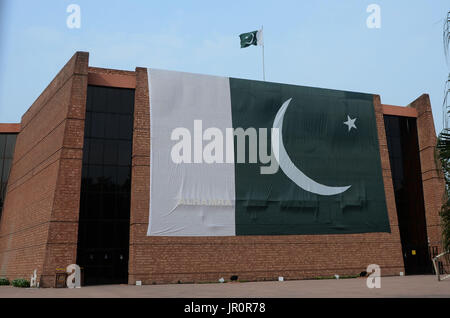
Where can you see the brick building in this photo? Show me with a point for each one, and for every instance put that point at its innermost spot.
(78, 192)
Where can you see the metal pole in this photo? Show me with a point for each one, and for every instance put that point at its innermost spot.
(264, 70)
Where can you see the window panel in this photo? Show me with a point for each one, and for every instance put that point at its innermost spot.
(86, 148)
(87, 125)
(10, 144)
(98, 125)
(110, 174)
(96, 152)
(123, 205)
(124, 155)
(112, 126)
(110, 152)
(99, 104)
(123, 177)
(123, 229)
(94, 205)
(2, 145)
(96, 175)
(6, 168)
(7, 144)
(105, 199)
(125, 126)
(109, 206)
(114, 101)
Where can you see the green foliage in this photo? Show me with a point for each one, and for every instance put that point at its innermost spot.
(443, 147)
(4, 281)
(20, 282)
(445, 216)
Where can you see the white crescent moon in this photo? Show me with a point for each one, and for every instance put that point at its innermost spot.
(253, 37)
(288, 167)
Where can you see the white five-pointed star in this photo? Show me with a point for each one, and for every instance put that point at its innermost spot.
(350, 123)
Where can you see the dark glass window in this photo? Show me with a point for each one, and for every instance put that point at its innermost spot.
(103, 236)
(402, 139)
(7, 144)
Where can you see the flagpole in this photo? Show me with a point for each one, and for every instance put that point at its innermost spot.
(264, 69)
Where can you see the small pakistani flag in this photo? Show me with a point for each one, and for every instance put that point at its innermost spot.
(251, 38)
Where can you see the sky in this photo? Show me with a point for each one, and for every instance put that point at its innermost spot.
(319, 43)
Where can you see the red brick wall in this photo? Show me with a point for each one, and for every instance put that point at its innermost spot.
(432, 177)
(195, 259)
(9, 128)
(38, 228)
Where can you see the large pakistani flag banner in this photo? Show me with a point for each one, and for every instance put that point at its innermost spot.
(240, 157)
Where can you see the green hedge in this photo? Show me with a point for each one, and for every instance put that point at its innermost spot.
(20, 282)
(4, 281)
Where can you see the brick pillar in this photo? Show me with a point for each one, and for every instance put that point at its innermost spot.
(140, 175)
(63, 230)
(432, 177)
(39, 226)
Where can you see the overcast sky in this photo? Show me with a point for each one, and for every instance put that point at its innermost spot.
(321, 43)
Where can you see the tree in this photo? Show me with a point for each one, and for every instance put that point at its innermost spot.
(443, 145)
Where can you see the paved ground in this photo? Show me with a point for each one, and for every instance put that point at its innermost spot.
(411, 286)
